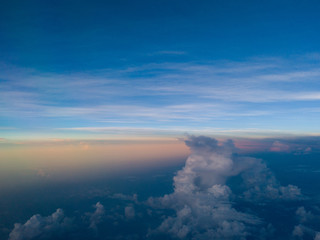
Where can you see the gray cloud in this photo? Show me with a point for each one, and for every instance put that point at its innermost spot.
(129, 212)
(57, 225)
(96, 216)
(133, 198)
(41, 227)
(308, 226)
(304, 215)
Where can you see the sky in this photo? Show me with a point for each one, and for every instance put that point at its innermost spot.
(159, 119)
(70, 69)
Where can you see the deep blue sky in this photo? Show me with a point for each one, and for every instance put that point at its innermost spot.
(160, 64)
(82, 35)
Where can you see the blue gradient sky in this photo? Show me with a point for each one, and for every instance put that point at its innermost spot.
(108, 109)
(74, 69)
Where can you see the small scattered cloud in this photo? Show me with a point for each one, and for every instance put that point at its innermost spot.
(57, 225)
(303, 215)
(308, 226)
(298, 231)
(121, 196)
(279, 147)
(129, 212)
(38, 227)
(96, 216)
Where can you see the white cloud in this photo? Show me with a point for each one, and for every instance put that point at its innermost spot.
(190, 88)
(201, 197)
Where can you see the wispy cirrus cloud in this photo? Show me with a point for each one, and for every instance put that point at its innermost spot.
(166, 93)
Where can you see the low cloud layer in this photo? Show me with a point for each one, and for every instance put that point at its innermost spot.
(219, 193)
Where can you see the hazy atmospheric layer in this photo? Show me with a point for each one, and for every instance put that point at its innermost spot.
(219, 192)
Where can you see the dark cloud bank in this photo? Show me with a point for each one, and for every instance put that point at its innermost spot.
(218, 194)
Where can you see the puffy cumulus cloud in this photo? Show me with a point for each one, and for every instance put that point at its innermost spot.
(277, 146)
(304, 215)
(295, 145)
(58, 226)
(298, 231)
(308, 226)
(42, 227)
(97, 215)
(129, 212)
(298, 146)
(120, 196)
(303, 232)
(203, 198)
(262, 185)
(202, 220)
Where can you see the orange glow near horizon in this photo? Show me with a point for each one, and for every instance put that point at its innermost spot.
(59, 156)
